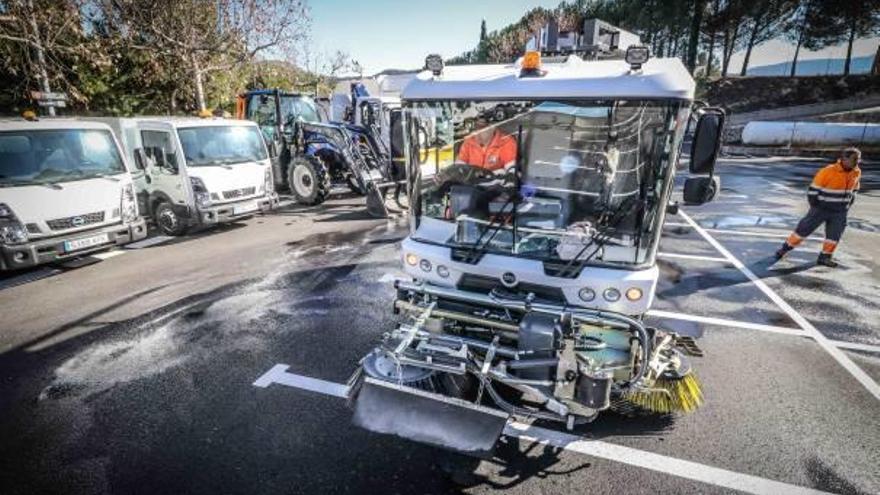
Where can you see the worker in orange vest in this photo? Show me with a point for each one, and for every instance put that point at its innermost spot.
(488, 148)
(831, 194)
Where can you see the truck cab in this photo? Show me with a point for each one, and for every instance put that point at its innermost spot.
(65, 191)
(193, 172)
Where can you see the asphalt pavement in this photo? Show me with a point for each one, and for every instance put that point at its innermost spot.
(135, 372)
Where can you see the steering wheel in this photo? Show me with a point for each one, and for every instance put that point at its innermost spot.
(463, 173)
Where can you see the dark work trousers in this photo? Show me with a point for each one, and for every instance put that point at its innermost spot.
(835, 223)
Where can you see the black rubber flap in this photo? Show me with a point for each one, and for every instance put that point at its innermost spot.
(427, 417)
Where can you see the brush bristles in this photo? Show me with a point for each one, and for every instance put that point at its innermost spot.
(684, 395)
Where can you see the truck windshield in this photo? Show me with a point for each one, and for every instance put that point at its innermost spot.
(52, 156)
(222, 145)
(567, 182)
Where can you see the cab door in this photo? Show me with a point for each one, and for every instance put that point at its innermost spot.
(164, 171)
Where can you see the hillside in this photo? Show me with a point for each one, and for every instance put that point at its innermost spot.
(746, 94)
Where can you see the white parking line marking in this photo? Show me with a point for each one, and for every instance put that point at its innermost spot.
(725, 323)
(594, 448)
(758, 326)
(278, 374)
(692, 257)
(802, 322)
(655, 462)
(855, 346)
(107, 254)
(149, 241)
(745, 233)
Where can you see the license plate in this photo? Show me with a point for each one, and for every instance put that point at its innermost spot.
(242, 209)
(86, 242)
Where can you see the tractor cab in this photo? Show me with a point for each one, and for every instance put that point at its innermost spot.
(538, 191)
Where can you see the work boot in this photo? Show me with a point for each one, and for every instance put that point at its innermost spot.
(825, 260)
(781, 252)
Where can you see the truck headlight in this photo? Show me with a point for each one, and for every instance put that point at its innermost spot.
(587, 294)
(611, 294)
(633, 294)
(268, 184)
(129, 204)
(11, 230)
(203, 198)
(13, 233)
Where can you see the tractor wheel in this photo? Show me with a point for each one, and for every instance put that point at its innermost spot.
(309, 180)
(354, 186)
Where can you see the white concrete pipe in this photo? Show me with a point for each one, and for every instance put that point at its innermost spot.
(810, 134)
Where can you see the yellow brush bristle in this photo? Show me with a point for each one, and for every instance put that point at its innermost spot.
(684, 395)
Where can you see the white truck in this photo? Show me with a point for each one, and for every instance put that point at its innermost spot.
(65, 191)
(193, 172)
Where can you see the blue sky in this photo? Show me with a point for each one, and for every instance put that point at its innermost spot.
(399, 33)
(383, 34)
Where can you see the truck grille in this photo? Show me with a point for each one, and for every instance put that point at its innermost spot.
(482, 284)
(76, 221)
(239, 193)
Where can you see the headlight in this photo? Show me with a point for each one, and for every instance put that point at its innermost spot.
(129, 204)
(611, 294)
(13, 233)
(587, 294)
(11, 230)
(203, 199)
(633, 293)
(268, 183)
(425, 265)
(442, 271)
(412, 260)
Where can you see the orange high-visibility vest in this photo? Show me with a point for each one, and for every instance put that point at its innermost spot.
(833, 187)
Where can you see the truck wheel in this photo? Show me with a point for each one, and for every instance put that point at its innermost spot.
(309, 180)
(168, 220)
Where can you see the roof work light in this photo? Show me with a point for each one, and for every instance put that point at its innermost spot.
(636, 55)
(434, 63)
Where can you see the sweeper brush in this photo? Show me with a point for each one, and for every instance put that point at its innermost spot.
(670, 395)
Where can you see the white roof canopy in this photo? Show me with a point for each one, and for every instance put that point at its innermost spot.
(661, 78)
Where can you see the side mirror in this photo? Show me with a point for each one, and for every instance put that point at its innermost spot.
(700, 190)
(140, 159)
(707, 140)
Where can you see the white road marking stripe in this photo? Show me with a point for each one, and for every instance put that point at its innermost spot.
(149, 241)
(594, 448)
(655, 462)
(692, 257)
(278, 374)
(855, 346)
(802, 322)
(758, 326)
(725, 323)
(746, 233)
(107, 254)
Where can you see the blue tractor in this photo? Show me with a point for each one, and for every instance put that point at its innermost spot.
(310, 155)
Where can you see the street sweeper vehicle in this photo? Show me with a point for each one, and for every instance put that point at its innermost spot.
(532, 248)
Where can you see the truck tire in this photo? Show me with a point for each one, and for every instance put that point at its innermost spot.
(309, 180)
(168, 221)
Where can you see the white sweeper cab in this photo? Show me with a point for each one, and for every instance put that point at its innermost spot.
(65, 191)
(197, 172)
(532, 248)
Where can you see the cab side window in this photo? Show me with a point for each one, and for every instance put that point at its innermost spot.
(153, 141)
(263, 111)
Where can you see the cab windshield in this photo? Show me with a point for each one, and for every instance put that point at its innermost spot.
(564, 182)
(222, 145)
(53, 156)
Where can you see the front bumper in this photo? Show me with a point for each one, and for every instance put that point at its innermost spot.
(228, 212)
(41, 251)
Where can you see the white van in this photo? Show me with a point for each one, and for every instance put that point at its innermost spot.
(193, 172)
(65, 191)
